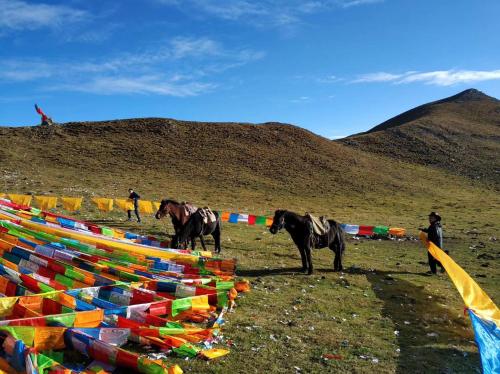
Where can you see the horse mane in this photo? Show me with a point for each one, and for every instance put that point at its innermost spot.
(171, 201)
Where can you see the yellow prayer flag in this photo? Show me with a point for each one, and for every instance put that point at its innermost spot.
(6, 305)
(145, 206)
(103, 204)
(46, 202)
(20, 199)
(156, 205)
(72, 204)
(124, 204)
(200, 302)
(474, 297)
(214, 353)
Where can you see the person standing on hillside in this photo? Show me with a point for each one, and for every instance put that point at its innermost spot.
(135, 199)
(434, 235)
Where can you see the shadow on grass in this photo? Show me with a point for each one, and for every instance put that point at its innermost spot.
(425, 328)
(268, 272)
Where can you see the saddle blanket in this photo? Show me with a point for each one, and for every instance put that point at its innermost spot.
(320, 225)
(207, 215)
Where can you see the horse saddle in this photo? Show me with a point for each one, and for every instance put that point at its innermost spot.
(207, 215)
(320, 226)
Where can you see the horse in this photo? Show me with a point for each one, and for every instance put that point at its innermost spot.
(179, 213)
(196, 227)
(300, 229)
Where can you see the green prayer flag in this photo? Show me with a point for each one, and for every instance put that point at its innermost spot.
(44, 362)
(66, 309)
(67, 320)
(381, 230)
(222, 299)
(224, 285)
(24, 333)
(44, 287)
(180, 305)
(107, 231)
(64, 280)
(149, 367)
(171, 331)
(74, 275)
(260, 220)
(56, 356)
(186, 350)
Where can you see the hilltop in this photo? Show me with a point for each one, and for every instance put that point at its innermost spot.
(373, 177)
(460, 134)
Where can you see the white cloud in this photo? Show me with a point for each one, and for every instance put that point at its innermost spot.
(274, 13)
(436, 78)
(21, 15)
(153, 84)
(183, 67)
(351, 3)
(301, 99)
(377, 77)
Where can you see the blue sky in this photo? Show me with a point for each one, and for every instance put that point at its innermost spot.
(335, 67)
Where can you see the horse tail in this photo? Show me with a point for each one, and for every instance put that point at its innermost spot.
(341, 238)
(338, 237)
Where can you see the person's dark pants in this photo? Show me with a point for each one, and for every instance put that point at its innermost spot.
(136, 211)
(433, 263)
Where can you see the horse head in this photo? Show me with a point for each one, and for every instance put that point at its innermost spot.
(163, 210)
(278, 221)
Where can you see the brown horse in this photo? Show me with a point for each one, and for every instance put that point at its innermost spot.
(179, 213)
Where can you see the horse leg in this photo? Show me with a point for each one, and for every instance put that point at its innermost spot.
(216, 236)
(341, 253)
(193, 243)
(307, 251)
(337, 257)
(203, 242)
(303, 258)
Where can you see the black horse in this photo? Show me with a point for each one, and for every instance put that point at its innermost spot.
(196, 227)
(300, 229)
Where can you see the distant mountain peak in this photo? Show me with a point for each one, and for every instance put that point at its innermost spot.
(470, 94)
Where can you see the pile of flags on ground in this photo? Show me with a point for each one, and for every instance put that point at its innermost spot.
(484, 314)
(72, 204)
(75, 296)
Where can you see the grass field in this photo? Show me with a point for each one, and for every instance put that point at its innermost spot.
(381, 314)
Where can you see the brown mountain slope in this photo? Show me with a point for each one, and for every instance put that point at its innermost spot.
(460, 134)
(223, 164)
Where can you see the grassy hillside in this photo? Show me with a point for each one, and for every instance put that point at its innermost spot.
(460, 134)
(255, 168)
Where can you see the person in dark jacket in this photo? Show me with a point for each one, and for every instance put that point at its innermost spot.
(135, 198)
(435, 235)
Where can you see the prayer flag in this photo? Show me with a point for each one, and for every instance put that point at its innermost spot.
(103, 204)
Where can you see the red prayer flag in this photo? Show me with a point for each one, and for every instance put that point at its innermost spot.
(366, 230)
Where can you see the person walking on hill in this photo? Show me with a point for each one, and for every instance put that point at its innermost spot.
(434, 235)
(135, 199)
